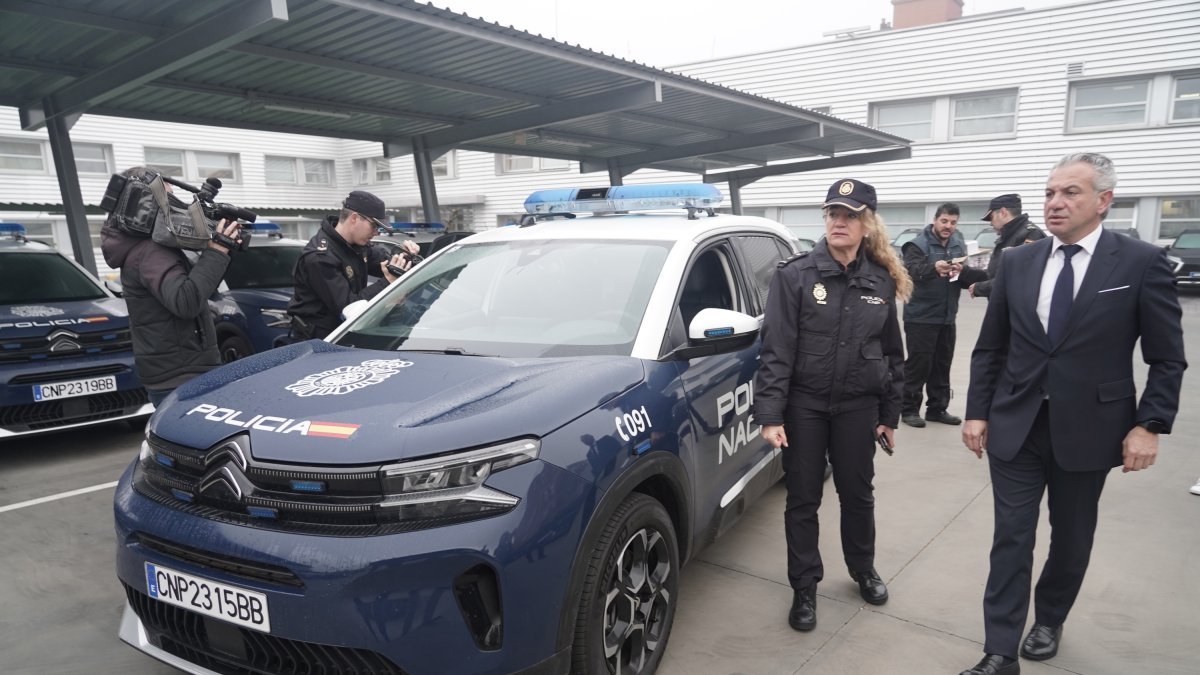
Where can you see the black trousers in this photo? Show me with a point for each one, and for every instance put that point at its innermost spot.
(849, 440)
(930, 351)
(1017, 488)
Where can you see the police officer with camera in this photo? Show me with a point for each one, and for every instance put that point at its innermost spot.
(332, 271)
(165, 289)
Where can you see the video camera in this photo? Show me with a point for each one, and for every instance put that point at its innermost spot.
(412, 258)
(141, 205)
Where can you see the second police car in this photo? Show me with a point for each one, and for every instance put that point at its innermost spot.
(66, 355)
(498, 466)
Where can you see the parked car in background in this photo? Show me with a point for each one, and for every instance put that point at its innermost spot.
(250, 305)
(430, 237)
(497, 465)
(66, 352)
(906, 235)
(1184, 254)
(1127, 231)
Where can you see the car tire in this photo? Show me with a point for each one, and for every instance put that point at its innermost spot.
(629, 593)
(234, 347)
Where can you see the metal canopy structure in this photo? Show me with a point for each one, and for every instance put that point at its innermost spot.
(418, 79)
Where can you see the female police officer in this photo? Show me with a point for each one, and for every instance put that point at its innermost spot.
(830, 378)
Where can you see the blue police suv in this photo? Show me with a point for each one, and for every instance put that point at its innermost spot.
(66, 356)
(250, 306)
(497, 466)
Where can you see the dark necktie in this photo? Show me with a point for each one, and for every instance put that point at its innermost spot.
(1063, 296)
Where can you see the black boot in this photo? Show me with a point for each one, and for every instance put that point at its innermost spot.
(803, 615)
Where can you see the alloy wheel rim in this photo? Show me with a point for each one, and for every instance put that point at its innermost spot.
(637, 603)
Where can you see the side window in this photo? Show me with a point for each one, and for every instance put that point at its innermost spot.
(762, 253)
(709, 283)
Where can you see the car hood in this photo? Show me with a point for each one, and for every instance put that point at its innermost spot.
(1191, 255)
(316, 403)
(78, 316)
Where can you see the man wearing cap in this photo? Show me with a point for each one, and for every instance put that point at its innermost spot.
(934, 260)
(1012, 229)
(333, 269)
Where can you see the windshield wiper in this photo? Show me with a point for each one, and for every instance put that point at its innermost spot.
(453, 351)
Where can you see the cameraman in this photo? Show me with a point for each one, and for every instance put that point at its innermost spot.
(167, 293)
(332, 271)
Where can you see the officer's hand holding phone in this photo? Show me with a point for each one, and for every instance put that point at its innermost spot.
(885, 436)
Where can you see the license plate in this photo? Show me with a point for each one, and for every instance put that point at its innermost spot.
(91, 385)
(210, 598)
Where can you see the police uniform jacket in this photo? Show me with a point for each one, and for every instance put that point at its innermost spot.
(330, 274)
(935, 298)
(174, 338)
(830, 339)
(1014, 233)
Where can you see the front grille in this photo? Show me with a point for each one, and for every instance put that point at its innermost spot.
(209, 484)
(61, 412)
(72, 374)
(1188, 268)
(243, 568)
(244, 651)
(39, 348)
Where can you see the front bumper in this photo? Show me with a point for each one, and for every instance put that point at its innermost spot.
(21, 415)
(397, 597)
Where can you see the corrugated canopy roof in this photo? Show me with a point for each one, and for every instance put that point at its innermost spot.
(405, 74)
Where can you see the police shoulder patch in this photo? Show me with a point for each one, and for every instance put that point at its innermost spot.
(794, 258)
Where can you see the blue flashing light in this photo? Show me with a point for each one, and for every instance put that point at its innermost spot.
(164, 460)
(308, 486)
(624, 198)
(262, 512)
(718, 332)
(262, 226)
(417, 226)
(12, 229)
(642, 447)
(181, 495)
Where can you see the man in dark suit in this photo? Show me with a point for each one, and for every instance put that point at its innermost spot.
(1053, 401)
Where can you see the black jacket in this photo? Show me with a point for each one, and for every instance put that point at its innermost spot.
(174, 338)
(830, 339)
(935, 298)
(1014, 233)
(330, 274)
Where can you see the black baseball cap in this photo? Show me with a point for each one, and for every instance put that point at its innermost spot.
(852, 194)
(367, 204)
(1012, 202)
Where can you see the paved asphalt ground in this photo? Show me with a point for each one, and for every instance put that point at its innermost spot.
(1137, 614)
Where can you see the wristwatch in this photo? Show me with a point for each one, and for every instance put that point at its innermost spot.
(1153, 426)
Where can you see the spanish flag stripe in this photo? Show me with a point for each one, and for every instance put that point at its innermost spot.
(332, 429)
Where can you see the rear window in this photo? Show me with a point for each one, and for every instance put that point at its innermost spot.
(263, 267)
(1188, 240)
(43, 277)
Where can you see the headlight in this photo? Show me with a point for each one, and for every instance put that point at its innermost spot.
(276, 318)
(1176, 263)
(453, 484)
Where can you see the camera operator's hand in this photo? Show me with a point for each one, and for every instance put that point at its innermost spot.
(230, 229)
(410, 246)
(399, 260)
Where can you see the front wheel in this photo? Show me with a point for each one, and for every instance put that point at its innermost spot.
(235, 347)
(630, 592)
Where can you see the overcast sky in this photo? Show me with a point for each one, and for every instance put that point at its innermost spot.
(669, 32)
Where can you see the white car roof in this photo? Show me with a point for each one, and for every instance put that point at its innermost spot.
(653, 226)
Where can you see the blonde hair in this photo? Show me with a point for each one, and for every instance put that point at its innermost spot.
(879, 247)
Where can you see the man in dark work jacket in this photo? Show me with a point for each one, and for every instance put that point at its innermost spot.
(1012, 229)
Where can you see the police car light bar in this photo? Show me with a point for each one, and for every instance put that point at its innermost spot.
(624, 198)
(418, 226)
(263, 226)
(14, 230)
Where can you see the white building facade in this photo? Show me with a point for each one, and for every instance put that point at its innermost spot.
(990, 101)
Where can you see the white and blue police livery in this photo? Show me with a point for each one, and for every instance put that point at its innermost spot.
(66, 354)
(498, 465)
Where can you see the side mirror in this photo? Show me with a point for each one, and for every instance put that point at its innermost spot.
(353, 310)
(114, 287)
(717, 331)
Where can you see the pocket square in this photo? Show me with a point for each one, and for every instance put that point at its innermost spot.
(1109, 290)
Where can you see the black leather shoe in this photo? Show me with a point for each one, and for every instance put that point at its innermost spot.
(994, 664)
(913, 420)
(943, 417)
(1042, 642)
(871, 586)
(803, 615)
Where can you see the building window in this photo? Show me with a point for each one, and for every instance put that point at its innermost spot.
(984, 115)
(1121, 214)
(372, 171)
(1176, 215)
(20, 156)
(1122, 103)
(899, 218)
(93, 158)
(526, 164)
(194, 164)
(446, 166)
(1186, 101)
(299, 171)
(910, 119)
(823, 109)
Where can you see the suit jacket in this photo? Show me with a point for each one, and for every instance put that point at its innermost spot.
(1128, 293)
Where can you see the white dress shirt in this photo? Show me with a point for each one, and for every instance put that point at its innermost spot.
(1079, 264)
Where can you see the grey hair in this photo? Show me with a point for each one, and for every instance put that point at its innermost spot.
(1106, 174)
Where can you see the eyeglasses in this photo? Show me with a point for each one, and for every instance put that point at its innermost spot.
(378, 224)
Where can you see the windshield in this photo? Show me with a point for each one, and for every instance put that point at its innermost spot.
(986, 239)
(518, 299)
(43, 277)
(263, 267)
(1187, 240)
